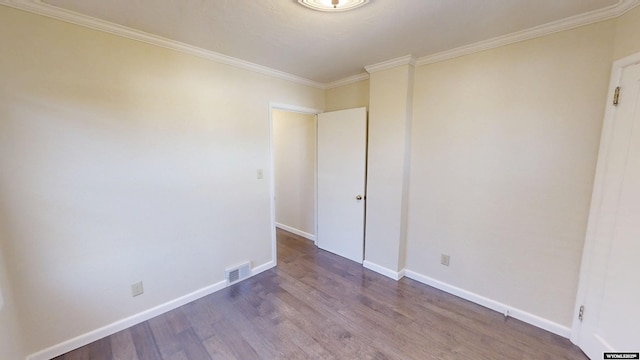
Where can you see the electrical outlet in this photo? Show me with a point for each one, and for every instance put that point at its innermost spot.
(137, 289)
(444, 259)
(259, 174)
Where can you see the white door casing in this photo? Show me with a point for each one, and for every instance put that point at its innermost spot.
(342, 143)
(609, 286)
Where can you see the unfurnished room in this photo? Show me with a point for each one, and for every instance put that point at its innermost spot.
(319, 179)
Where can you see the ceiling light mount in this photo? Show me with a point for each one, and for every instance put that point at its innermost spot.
(333, 5)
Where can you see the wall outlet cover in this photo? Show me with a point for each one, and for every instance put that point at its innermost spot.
(137, 289)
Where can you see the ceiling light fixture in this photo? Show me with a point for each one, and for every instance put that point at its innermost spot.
(333, 5)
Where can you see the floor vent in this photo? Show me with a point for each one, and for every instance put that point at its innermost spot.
(237, 273)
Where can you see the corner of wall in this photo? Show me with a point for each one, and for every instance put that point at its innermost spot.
(389, 147)
(404, 220)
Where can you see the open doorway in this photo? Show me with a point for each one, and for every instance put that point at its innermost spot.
(294, 166)
(293, 169)
(319, 177)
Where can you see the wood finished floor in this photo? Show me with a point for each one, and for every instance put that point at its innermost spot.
(316, 305)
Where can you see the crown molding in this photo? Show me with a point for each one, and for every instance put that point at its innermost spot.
(404, 60)
(347, 80)
(569, 23)
(41, 8)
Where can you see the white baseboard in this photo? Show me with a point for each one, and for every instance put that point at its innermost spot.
(515, 313)
(305, 235)
(120, 325)
(262, 268)
(395, 275)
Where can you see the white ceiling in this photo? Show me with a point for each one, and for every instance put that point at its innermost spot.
(325, 47)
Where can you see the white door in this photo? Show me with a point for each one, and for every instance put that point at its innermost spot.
(610, 276)
(342, 151)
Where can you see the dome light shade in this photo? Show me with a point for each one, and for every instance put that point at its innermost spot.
(333, 5)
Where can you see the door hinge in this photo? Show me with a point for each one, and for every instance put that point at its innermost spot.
(616, 95)
(581, 313)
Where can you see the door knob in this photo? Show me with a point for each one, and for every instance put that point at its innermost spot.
(359, 197)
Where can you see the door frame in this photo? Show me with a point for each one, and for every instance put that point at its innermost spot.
(272, 178)
(589, 255)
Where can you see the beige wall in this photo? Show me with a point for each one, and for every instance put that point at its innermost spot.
(504, 148)
(627, 40)
(120, 162)
(348, 96)
(11, 339)
(541, 104)
(294, 136)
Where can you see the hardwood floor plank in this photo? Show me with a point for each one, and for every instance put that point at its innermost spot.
(271, 332)
(384, 339)
(178, 321)
(284, 317)
(217, 349)
(180, 355)
(145, 344)
(192, 346)
(316, 305)
(122, 346)
(165, 339)
(238, 346)
(202, 316)
(266, 345)
(325, 330)
(101, 350)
